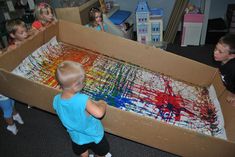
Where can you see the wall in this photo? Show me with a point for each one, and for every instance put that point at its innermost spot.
(218, 8)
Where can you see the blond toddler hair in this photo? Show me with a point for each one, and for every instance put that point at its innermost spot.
(68, 73)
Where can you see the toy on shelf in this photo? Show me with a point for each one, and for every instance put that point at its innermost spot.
(192, 26)
(192, 9)
(119, 21)
(149, 23)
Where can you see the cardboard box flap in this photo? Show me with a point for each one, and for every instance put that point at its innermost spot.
(77, 14)
(164, 136)
(51, 31)
(11, 60)
(27, 91)
(227, 109)
(229, 116)
(62, 13)
(218, 84)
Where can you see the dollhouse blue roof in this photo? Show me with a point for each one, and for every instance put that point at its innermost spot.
(142, 6)
(156, 12)
(120, 16)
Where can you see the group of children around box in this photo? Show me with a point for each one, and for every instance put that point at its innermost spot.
(77, 112)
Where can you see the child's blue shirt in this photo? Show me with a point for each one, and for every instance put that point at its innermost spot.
(98, 28)
(82, 128)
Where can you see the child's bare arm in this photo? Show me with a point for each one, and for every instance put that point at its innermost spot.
(97, 110)
(101, 26)
(32, 32)
(2, 51)
(11, 47)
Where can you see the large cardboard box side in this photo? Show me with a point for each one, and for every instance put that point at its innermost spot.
(125, 124)
(77, 15)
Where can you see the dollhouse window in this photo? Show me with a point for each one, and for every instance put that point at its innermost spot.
(155, 27)
(155, 38)
(142, 28)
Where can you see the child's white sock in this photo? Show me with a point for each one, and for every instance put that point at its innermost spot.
(18, 118)
(12, 128)
(108, 155)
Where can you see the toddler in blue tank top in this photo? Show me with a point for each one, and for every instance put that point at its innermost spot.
(79, 114)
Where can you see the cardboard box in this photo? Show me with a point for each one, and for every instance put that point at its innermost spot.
(77, 15)
(129, 125)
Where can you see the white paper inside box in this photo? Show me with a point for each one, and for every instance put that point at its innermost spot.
(126, 124)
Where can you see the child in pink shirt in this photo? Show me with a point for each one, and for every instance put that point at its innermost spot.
(44, 15)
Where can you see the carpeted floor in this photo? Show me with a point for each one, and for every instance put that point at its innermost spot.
(203, 54)
(42, 135)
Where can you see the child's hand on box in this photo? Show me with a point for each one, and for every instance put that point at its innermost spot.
(231, 98)
(54, 21)
(12, 47)
(32, 32)
(101, 102)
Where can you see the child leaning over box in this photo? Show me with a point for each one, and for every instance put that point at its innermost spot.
(96, 20)
(17, 33)
(78, 113)
(44, 15)
(225, 53)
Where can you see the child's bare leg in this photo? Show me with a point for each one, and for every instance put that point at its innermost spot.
(14, 112)
(9, 121)
(85, 154)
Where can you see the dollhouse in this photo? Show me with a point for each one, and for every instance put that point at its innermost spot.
(149, 23)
